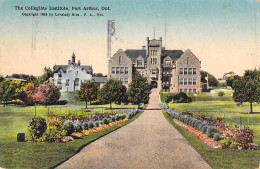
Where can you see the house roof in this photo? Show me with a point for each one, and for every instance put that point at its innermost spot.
(133, 54)
(174, 54)
(102, 79)
(56, 68)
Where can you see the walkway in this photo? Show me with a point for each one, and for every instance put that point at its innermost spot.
(148, 142)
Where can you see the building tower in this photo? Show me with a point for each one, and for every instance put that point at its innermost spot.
(153, 53)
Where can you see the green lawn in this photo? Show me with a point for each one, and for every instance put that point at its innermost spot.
(220, 158)
(211, 105)
(14, 119)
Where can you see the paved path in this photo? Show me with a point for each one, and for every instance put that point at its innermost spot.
(148, 142)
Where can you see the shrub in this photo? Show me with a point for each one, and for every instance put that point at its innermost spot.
(205, 128)
(62, 102)
(54, 133)
(123, 116)
(181, 98)
(217, 136)
(68, 127)
(211, 131)
(96, 124)
(229, 142)
(113, 119)
(117, 117)
(77, 126)
(84, 125)
(202, 125)
(169, 98)
(105, 121)
(90, 125)
(221, 93)
(36, 128)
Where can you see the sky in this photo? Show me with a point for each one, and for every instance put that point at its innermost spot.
(223, 34)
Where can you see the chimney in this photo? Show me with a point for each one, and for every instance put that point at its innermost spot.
(79, 62)
(161, 40)
(69, 62)
(143, 47)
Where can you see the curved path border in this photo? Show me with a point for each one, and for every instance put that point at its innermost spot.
(148, 142)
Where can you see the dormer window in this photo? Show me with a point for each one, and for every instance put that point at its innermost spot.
(168, 63)
(139, 62)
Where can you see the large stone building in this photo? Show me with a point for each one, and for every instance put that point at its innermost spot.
(69, 77)
(167, 70)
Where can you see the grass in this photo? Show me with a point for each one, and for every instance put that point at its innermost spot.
(39, 154)
(15, 119)
(220, 158)
(211, 105)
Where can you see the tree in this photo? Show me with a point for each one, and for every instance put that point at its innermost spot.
(27, 92)
(247, 88)
(9, 90)
(88, 92)
(112, 91)
(212, 80)
(231, 79)
(46, 75)
(139, 89)
(47, 93)
(98, 74)
(1, 78)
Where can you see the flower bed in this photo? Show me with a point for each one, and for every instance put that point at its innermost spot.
(68, 128)
(204, 137)
(215, 129)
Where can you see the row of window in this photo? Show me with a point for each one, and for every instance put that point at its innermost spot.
(153, 54)
(189, 71)
(119, 70)
(76, 82)
(167, 73)
(122, 80)
(188, 90)
(188, 81)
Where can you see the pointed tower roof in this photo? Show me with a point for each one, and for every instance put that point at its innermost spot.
(73, 55)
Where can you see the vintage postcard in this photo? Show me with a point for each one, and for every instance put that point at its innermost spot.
(129, 83)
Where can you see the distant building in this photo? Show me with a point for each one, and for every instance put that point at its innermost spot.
(167, 70)
(70, 77)
(100, 80)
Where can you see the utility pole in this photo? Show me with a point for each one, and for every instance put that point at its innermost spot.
(110, 33)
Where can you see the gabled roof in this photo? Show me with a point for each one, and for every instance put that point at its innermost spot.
(133, 54)
(102, 79)
(174, 54)
(56, 68)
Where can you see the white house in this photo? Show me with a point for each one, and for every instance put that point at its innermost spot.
(69, 77)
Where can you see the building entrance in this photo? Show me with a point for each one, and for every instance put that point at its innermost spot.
(154, 84)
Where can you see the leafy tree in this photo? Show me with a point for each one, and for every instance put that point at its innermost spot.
(1, 78)
(112, 91)
(98, 74)
(247, 88)
(9, 90)
(88, 92)
(46, 75)
(231, 79)
(26, 93)
(47, 93)
(212, 80)
(139, 89)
